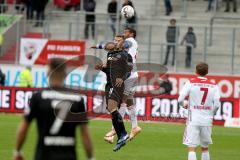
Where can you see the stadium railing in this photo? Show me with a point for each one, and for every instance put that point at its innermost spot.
(223, 54)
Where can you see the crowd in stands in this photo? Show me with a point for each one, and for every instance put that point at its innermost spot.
(31, 7)
(210, 6)
(37, 7)
(90, 5)
(172, 38)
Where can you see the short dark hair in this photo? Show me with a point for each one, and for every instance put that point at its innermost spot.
(190, 28)
(173, 20)
(131, 30)
(202, 69)
(120, 36)
(57, 67)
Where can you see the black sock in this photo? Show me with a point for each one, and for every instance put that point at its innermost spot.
(118, 124)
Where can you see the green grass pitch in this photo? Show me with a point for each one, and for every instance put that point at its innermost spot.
(158, 141)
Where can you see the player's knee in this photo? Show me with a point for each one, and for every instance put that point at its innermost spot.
(124, 99)
(129, 102)
(112, 105)
(204, 146)
(191, 149)
(204, 149)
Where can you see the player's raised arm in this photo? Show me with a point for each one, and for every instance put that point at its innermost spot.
(184, 93)
(87, 142)
(109, 46)
(98, 46)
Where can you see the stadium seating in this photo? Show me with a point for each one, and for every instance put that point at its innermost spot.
(152, 12)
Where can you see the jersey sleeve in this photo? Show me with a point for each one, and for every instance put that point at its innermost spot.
(132, 50)
(184, 92)
(30, 111)
(100, 45)
(216, 99)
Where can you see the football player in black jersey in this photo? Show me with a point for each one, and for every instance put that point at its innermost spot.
(117, 70)
(57, 111)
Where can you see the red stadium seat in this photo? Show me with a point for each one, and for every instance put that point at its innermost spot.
(66, 3)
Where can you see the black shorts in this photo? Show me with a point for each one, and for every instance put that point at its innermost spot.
(114, 93)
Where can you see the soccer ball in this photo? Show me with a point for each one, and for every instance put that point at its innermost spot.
(127, 12)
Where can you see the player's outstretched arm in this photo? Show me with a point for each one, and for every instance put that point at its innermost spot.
(87, 142)
(98, 46)
(109, 46)
(21, 136)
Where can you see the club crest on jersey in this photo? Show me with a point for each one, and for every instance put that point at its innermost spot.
(112, 58)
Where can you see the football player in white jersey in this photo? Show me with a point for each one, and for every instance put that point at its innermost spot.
(129, 91)
(203, 102)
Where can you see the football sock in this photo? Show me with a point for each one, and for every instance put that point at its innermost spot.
(133, 116)
(118, 124)
(192, 156)
(122, 109)
(205, 156)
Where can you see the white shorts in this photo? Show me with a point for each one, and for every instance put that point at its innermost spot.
(130, 85)
(197, 135)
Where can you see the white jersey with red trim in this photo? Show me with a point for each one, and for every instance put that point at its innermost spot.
(203, 100)
(133, 50)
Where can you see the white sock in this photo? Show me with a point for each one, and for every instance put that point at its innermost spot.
(122, 110)
(205, 156)
(192, 156)
(133, 115)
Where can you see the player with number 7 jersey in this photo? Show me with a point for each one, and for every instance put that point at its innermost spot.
(58, 111)
(203, 100)
(203, 103)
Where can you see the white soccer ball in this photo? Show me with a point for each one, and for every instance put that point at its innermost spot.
(127, 12)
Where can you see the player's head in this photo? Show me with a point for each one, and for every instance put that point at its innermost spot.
(173, 22)
(118, 39)
(56, 71)
(190, 29)
(129, 32)
(126, 1)
(202, 69)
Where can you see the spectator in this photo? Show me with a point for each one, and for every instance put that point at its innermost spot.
(171, 36)
(228, 5)
(26, 78)
(20, 6)
(29, 6)
(191, 41)
(3, 8)
(210, 5)
(168, 7)
(112, 11)
(89, 6)
(131, 22)
(2, 78)
(166, 85)
(39, 6)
